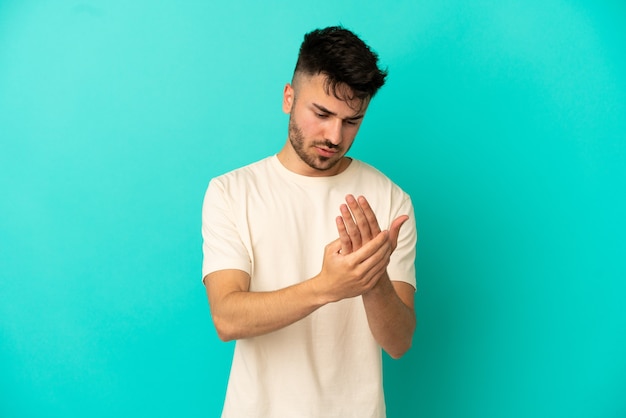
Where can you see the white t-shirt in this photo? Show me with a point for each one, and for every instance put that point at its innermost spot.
(274, 224)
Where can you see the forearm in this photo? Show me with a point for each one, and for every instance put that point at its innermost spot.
(391, 320)
(240, 313)
(244, 314)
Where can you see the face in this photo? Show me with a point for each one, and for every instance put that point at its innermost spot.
(322, 128)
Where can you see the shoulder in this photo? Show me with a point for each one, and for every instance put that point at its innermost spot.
(376, 178)
(244, 179)
(364, 168)
(246, 185)
(247, 172)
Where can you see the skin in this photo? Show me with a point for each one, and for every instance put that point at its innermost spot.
(322, 129)
(389, 305)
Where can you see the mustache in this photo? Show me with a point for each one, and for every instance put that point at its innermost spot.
(326, 144)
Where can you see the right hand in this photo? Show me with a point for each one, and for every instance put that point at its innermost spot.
(349, 275)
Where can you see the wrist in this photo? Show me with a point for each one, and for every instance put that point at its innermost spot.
(319, 295)
(382, 287)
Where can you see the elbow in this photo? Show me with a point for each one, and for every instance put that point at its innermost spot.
(225, 330)
(224, 337)
(403, 345)
(399, 352)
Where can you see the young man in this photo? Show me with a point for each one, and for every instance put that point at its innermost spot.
(296, 267)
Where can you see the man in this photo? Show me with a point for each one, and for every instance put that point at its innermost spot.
(296, 267)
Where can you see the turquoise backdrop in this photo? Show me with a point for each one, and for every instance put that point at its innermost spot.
(505, 120)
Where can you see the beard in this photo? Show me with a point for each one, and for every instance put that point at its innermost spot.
(308, 154)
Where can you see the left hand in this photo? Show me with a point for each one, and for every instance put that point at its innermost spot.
(358, 225)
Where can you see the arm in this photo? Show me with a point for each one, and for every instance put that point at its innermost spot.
(389, 305)
(391, 315)
(238, 313)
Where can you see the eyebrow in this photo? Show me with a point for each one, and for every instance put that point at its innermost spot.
(324, 110)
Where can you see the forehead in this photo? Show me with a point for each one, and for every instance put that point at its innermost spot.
(317, 88)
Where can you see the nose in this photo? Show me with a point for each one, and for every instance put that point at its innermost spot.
(334, 132)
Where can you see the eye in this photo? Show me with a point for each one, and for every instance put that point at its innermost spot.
(322, 115)
(350, 122)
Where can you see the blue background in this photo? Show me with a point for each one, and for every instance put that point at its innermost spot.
(505, 120)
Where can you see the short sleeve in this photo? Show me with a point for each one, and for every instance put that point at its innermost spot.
(222, 245)
(402, 264)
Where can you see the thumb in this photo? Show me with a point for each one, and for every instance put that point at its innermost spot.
(334, 246)
(394, 230)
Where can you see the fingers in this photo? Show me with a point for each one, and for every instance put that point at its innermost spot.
(349, 275)
(344, 236)
(351, 227)
(370, 216)
(359, 218)
(334, 246)
(372, 249)
(359, 223)
(375, 265)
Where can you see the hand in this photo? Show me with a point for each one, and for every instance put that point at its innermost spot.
(349, 275)
(358, 225)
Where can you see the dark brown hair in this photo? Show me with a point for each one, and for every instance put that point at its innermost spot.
(346, 61)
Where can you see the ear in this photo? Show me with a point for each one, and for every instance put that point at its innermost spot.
(288, 98)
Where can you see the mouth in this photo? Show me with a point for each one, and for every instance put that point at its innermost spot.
(325, 152)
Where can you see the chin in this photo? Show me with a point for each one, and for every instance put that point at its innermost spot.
(325, 164)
